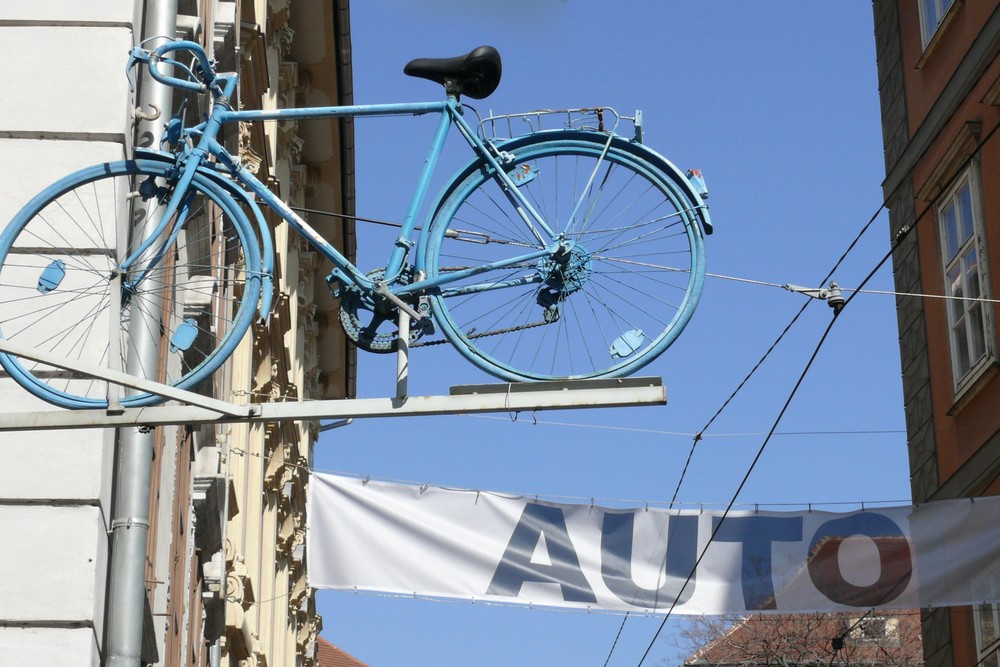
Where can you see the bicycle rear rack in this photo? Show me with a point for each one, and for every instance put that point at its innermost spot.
(501, 127)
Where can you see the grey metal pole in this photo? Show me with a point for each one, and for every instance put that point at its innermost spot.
(130, 522)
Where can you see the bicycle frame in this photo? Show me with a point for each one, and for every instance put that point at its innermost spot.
(344, 270)
(618, 279)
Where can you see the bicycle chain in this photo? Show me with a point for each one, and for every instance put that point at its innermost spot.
(496, 332)
(484, 334)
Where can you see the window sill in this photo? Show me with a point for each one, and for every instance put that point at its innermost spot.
(979, 378)
(992, 96)
(936, 38)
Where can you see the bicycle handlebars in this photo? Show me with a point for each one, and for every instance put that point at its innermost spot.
(201, 76)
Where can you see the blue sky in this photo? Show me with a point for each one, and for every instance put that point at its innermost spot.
(777, 104)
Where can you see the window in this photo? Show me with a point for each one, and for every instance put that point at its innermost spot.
(969, 321)
(875, 628)
(987, 617)
(932, 12)
(986, 635)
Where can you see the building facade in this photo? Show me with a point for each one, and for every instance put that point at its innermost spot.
(224, 571)
(807, 640)
(293, 54)
(939, 82)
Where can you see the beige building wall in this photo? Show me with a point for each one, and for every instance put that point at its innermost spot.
(289, 54)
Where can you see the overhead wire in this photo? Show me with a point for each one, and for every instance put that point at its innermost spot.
(599, 500)
(697, 437)
(700, 435)
(690, 434)
(767, 439)
(904, 232)
(918, 295)
(739, 489)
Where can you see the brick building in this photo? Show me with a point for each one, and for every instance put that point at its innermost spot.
(939, 82)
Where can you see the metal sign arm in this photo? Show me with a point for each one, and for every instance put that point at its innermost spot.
(124, 379)
(502, 398)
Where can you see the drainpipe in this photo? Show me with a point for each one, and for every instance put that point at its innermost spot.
(345, 92)
(130, 522)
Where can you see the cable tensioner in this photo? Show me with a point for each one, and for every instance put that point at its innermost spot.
(832, 295)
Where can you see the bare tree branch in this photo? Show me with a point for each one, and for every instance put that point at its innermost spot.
(804, 640)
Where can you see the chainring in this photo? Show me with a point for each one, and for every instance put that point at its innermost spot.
(372, 323)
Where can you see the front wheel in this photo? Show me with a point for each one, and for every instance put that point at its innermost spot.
(173, 316)
(601, 292)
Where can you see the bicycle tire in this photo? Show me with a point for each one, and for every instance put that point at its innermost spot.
(186, 306)
(628, 279)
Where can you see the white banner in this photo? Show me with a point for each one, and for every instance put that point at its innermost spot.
(427, 541)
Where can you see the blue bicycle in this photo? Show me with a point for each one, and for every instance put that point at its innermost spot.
(571, 252)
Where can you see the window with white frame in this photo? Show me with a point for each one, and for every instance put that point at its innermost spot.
(987, 639)
(965, 274)
(932, 12)
(987, 617)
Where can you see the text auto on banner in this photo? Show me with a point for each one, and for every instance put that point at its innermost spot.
(429, 541)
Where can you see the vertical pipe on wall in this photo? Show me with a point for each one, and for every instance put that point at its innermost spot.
(130, 522)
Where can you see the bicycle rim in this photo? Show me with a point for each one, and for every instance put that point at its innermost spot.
(183, 307)
(621, 288)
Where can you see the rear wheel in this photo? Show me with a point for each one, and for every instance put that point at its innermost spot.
(621, 277)
(174, 316)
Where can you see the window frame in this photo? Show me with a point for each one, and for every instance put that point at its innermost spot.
(949, 199)
(987, 654)
(927, 31)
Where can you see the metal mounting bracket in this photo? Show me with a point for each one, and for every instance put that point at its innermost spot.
(197, 409)
(126, 380)
(508, 398)
(832, 295)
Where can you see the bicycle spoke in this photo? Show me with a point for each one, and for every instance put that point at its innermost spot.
(182, 304)
(505, 223)
(617, 288)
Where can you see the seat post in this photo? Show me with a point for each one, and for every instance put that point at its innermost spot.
(403, 356)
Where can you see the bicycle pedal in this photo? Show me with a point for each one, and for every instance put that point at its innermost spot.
(425, 327)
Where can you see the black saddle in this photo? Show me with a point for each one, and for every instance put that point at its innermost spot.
(476, 74)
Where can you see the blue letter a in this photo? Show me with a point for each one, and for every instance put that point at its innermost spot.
(516, 567)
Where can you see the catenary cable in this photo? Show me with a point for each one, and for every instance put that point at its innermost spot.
(699, 435)
(739, 488)
(897, 241)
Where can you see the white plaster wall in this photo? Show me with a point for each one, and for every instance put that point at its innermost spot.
(49, 572)
(31, 165)
(63, 12)
(52, 466)
(63, 647)
(64, 81)
(66, 106)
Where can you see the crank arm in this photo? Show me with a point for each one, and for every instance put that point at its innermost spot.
(383, 290)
